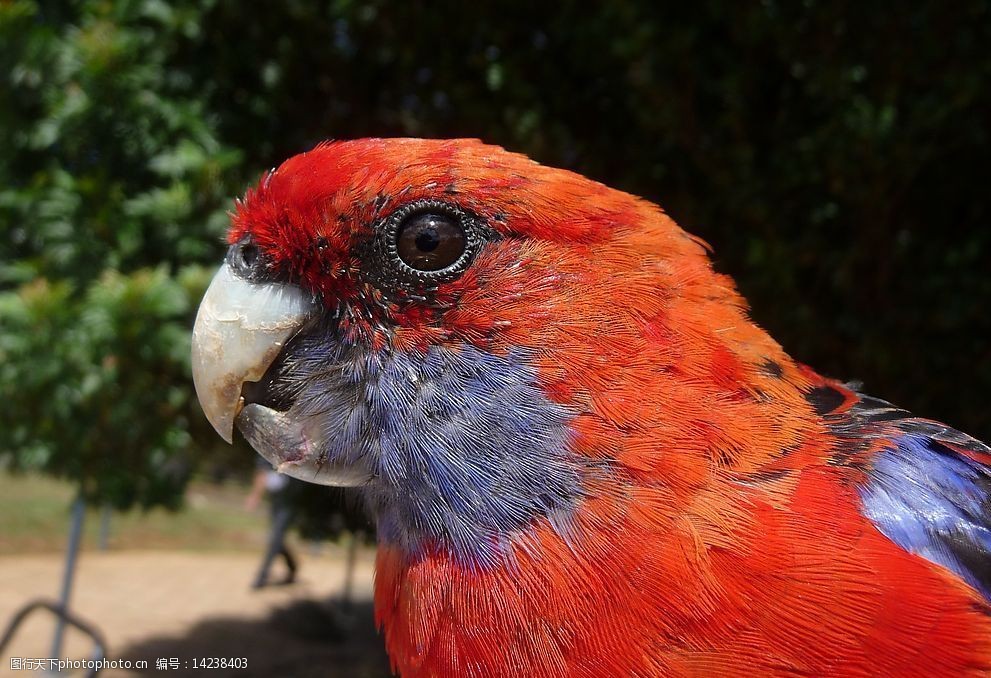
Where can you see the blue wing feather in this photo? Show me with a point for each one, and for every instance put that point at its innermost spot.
(928, 486)
(932, 501)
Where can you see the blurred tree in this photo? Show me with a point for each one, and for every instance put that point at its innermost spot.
(94, 387)
(111, 199)
(835, 154)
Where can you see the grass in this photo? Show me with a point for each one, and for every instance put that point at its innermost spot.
(34, 518)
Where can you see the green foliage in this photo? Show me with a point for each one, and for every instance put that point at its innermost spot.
(834, 154)
(95, 388)
(110, 161)
(112, 191)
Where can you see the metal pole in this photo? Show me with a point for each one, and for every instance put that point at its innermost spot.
(349, 572)
(72, 552)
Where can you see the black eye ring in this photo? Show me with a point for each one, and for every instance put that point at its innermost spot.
(426, 242)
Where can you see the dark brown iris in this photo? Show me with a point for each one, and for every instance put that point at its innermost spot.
(430, 241)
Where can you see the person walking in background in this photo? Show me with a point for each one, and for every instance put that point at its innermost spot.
(279, 488)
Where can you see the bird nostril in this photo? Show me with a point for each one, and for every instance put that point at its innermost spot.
(249, 255)
(247, 261)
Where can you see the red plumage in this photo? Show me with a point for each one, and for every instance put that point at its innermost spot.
(728, 537)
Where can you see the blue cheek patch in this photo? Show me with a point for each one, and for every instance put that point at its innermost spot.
(466, 448)
(936, 503)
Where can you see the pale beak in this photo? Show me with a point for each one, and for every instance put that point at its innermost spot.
(240, 329)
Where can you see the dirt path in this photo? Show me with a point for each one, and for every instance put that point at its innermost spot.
(183, 606)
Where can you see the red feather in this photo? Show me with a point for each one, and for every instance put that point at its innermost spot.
(723, 541)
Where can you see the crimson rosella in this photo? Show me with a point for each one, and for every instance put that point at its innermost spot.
(582, 456)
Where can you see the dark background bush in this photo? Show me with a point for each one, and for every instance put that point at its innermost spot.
(835, 154)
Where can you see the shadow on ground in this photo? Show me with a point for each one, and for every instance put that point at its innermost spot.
(302, 640)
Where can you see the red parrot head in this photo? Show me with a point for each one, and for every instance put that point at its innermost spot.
(582, 456)
(457, 329)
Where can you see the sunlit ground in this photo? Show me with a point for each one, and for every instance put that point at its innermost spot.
(176, 586)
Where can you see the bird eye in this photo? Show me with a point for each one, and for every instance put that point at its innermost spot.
(430, 241)
(424, 243)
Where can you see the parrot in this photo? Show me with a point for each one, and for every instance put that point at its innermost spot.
(581, 454)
